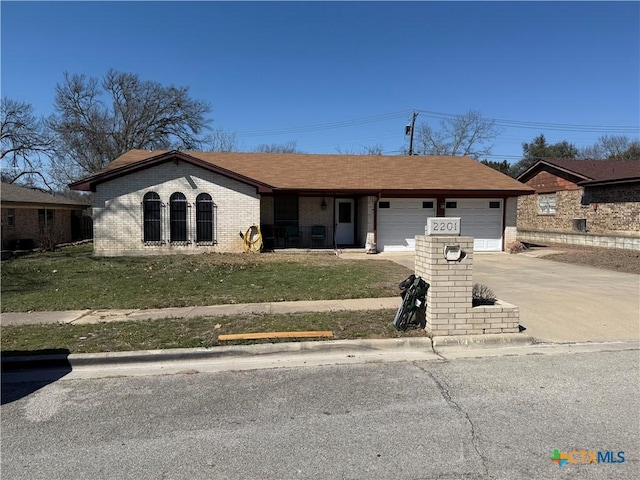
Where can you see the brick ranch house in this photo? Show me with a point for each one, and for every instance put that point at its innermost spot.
(586, 202)
(158, 202)
(28, 214)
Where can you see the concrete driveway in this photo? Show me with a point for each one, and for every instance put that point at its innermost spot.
(559, 302)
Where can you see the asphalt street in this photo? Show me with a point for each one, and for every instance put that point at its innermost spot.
(497, 417)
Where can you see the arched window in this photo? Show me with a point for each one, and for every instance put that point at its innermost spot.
(151, 207)
(204, 218)
(178, 217)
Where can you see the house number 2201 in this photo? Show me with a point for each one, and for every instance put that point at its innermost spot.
(443, 226)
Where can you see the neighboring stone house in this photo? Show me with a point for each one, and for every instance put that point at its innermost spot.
(586, 202)
(157, 202)
(31, 217)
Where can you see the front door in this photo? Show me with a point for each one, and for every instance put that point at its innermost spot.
(345, 223)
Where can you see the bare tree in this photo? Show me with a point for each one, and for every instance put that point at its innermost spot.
(469, 135)
(612, 147)
(222, 141)
(24, 141)
(95, 123)
(288, 147)
(375, 149)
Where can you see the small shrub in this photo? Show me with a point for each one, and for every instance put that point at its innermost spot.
(482, 295)
(49, 238)
(517, 247)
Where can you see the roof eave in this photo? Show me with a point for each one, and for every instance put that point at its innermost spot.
(525, 175)
(617, 181)
(414, 192)
(90, 183)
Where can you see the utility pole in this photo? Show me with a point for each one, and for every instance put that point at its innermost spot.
(408, 130)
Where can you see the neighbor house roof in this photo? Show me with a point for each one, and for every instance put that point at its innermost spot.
(306, 172)
(589, 172)
(10, 193)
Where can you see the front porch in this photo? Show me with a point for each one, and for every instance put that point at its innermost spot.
(315, 222)
(291, 236)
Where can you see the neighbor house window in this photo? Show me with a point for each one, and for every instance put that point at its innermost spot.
(151, 207)
(204, 218)
(46, 218)
(547, 204)
(11, 217)
(178, 217)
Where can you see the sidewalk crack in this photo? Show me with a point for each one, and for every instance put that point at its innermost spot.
(88, 312)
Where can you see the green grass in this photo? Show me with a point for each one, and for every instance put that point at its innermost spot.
(73, 279)
(196, 332)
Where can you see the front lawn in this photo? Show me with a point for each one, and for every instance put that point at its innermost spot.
(73, 279)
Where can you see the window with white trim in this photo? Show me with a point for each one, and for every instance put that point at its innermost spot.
(547, 203)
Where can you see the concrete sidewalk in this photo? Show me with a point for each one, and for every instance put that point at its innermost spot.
(79, 317)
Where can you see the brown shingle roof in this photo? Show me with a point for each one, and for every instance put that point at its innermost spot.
(335, 172)
(19, 194)
(594, 170)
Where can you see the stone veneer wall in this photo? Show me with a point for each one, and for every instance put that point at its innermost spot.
(449, 298)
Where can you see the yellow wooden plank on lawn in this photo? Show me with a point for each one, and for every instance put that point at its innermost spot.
(262, 335)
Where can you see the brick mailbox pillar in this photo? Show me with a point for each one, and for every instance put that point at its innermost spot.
(450, 309)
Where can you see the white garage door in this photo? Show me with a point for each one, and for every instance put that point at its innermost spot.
(400, 220)
(480, 218)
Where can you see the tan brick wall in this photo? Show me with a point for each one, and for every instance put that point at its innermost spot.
(118, 209)
(27, 225)
(365, 218)
(311, 213)
(510, 220)
(603, 218)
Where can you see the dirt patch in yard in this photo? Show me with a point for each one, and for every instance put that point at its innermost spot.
(619, 260)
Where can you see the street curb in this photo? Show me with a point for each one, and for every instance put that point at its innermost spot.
(62, 360)
(467, 342)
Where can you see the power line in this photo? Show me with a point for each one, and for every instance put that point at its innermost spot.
(545, 125)
(622, 129)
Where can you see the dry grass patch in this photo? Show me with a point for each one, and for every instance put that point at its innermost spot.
(190, 333)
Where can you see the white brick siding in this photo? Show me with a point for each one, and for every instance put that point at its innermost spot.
(118, 215)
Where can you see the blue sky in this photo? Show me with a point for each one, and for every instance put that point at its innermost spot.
(569, 70)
